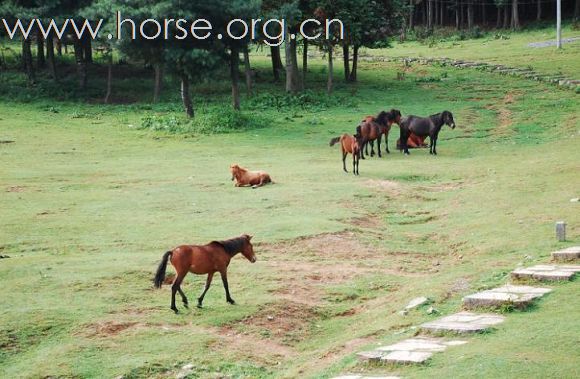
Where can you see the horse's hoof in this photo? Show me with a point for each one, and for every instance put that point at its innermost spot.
(199, 306)
(175, 310)
(186, 305)
(231, 301)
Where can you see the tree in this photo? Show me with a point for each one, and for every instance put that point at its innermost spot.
(515, 15)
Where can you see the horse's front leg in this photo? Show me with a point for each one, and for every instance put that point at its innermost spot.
(362, 147)
(431, 144)
(372, 148)
(207, 284)
(379, 145)
(224, 276)
(435, 146)
(387, 143)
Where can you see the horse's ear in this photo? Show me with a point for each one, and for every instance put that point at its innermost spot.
(249, 237)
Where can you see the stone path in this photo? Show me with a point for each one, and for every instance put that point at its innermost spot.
(568, 254)
(518, 296)
(552, 43)
(546, 272)
(526, 73)
(420, 349)
(412, 350)
(463, 322)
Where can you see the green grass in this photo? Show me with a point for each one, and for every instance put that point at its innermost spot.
(90, 202)
(513, 51)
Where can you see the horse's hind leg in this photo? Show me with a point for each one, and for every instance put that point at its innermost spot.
(175, 287)
(435, 146)
(387, 143)
(372, 148)
(224, 276)
(207, 284)
(344, 154)
(431, 144)
(379, 146)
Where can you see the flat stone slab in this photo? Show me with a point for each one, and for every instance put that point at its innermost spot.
(568, 254)
(463, 322)
(518, 296)
(412, 350)
(547, 272)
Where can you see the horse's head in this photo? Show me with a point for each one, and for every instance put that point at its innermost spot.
(448, 119)
(248, 249)
(396, 115)
(234, 169)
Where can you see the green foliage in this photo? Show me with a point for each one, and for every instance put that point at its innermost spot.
(308, 100)
(210, 121)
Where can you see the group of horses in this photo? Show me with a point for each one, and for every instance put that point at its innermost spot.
(216, 255)
(414, 130)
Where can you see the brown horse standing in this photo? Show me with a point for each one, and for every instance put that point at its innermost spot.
(207, 259)
(350, 145)
(372, 128)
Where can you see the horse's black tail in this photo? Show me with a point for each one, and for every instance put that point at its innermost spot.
(334, 140)
(160, 275)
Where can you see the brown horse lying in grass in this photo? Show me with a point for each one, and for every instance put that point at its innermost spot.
(350, 145)
(245, 177)
(207, 259)
(413, 142)
(372, 128)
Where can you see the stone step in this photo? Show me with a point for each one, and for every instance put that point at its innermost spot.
(412, 350)
(463, 322)
(546, 272)
(568, 254)
(517, 296)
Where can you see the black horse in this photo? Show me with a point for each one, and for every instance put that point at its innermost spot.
(373, 128)
(425, 126)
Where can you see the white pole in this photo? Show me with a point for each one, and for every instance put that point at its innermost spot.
(559, 24)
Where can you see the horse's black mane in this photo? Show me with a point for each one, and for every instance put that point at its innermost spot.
(232, 246)
(383, 117)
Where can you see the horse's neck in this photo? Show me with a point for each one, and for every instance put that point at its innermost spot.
(437, 120)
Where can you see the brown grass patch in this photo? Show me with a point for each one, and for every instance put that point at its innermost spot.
(391, 187)
(107, 328)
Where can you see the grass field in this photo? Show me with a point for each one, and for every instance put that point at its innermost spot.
(501, 47)
(90, 203)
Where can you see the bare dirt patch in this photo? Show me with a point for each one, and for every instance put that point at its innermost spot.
(504, 115)
(391, 187)
(286, 322)
(17, 189)
(107, 328)
(367, 222)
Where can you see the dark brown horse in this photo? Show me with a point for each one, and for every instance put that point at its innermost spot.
(423, 127)
(350, 145)
(373, 128)
(207, 259)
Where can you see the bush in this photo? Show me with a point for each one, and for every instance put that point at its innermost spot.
(208, 122)
(307, 100)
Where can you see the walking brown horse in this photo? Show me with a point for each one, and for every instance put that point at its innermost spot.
(372, 128)
(207, 259)
(350, 145)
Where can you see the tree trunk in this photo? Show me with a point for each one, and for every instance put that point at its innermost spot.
(424, 13)
(470, 15)
(457, 10)
(346, 61)
(40, 57)
(50, 57)
(515, 15)
(27, 60)
(59, 47)
(539, 10)
(186, 96)
(109, 76)
(293, 80)
(234, 74)
(353, 72)
(88, 50)
(436, 11)
(248, 71)
(430, 15)
(158, 86)
(276, 62)
(462, 17)
(411, 14)
(81, 64)
(577, 10)
(442, 15)
(506, 17)
(498, 21)
(330, 83)
(305, 60)
(484, 13)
